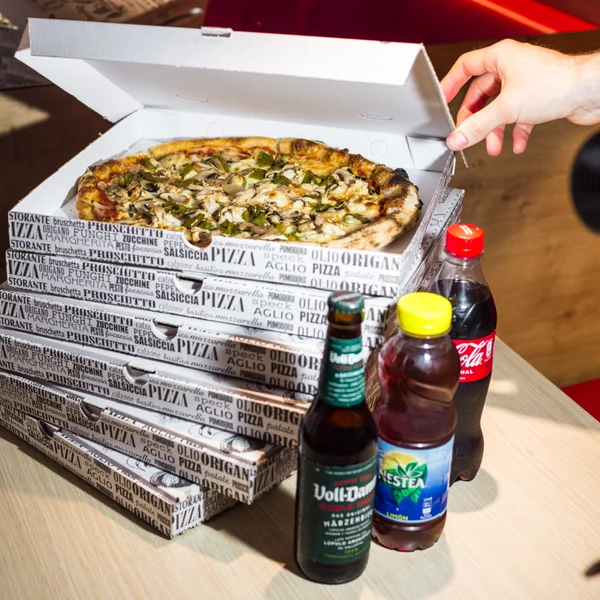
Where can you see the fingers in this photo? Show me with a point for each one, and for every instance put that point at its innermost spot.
(481, 90)
(471, 64)
(478, 126)
(521, 135)
(495, 141)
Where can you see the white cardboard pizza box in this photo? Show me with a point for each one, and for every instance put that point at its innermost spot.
(382, 100)
(267, 306)
(167, 502)
(234, 465)
(245, 407)
(273, 358)
(262, 305)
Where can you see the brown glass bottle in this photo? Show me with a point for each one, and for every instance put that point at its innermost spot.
(338, 457)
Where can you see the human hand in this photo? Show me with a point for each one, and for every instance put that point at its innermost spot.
(528, 85)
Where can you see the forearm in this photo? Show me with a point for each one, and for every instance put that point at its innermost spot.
(586, 92)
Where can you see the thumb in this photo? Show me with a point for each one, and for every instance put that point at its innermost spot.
(478, 126)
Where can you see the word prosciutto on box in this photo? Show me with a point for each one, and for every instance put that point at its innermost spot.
(147, 81)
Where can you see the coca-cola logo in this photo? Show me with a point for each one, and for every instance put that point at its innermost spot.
(473, 354)
(475, 357)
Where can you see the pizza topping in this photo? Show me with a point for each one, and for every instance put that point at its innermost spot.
(264, 159)
(148, 164)
(242, 193)
(220, 162)
(281, 180)
(257, 174)
(125, 179)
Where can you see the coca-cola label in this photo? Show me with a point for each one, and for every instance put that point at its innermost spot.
(476, 357)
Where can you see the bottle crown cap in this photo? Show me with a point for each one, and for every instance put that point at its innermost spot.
(349, 303)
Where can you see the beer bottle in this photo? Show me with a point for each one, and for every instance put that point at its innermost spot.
(338, 456)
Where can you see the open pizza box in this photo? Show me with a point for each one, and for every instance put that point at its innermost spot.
(381, 100)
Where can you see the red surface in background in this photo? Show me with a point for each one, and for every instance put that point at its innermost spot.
(587, 395)
(421, 21)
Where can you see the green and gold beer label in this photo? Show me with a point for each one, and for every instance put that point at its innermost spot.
(343, 379)
(335, 509)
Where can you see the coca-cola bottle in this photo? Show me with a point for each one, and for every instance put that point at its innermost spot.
(473, 331)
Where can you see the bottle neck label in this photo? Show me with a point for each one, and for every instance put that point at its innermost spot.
(343, 378)
(476, 357)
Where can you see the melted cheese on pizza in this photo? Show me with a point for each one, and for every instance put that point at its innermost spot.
(258, 196)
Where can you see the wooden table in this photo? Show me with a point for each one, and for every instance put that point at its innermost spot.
(527, 527)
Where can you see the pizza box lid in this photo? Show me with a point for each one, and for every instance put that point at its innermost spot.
(117, 69)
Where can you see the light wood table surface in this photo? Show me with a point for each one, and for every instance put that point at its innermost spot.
(527, 527)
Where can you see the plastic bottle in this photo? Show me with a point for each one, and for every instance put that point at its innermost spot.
(415, 415)
(473, 330)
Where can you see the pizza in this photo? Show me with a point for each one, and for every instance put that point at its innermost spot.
(288, 190)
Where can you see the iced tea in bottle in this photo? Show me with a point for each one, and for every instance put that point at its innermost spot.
(473, 330)
(419, 371)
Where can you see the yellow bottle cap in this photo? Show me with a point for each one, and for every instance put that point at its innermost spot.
(423, 313)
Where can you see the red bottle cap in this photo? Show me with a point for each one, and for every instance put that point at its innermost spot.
(464, 240)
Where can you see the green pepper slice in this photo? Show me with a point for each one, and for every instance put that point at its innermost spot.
(186, 170)
(201, 222)
(329, 181)
(125, 179)
(260, 219)
(228, 228)
(264, 159)
(308, 177)
(175, 208)
(152, 178)
(257, 174)
(187, 182)
(223, 162)
(254, 215)
(147, 163)
(281, 180)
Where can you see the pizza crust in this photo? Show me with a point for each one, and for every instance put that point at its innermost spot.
(384, 231)
(401, 207)
(244, 144)
(322, 159)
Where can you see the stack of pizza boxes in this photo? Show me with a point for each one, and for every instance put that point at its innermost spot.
(194, 366)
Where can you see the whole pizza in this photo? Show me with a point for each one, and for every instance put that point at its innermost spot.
(289, 190)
